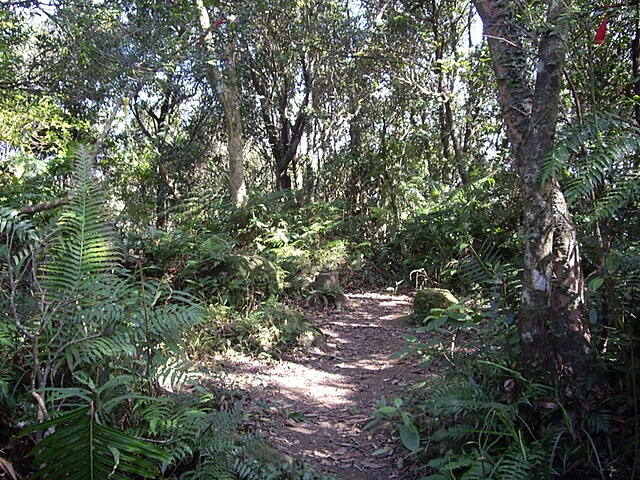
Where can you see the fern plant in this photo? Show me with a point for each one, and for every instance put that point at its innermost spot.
(486, 421)
(80, 446)
(209, 440)
(75, 271)
(595, 161)
(92, 329)
(84, 252)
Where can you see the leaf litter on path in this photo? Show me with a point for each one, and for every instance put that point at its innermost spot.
(317, 403)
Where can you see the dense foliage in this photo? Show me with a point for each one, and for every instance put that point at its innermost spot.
(371, 143)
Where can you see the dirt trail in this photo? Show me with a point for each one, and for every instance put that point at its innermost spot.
(315, 406)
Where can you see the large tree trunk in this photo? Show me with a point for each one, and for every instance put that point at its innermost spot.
(554, 331)
(224, 83)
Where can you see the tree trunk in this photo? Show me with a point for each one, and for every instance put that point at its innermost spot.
(224, 83)
(230, 99)
(554, 331)
(448, 135)
(165, 187)
(283, 135)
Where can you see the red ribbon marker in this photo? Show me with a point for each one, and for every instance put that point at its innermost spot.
(602, 29)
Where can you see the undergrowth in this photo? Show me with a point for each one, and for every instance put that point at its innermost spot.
(96, 349)
(96, 345)
(480, 418)
(272, 329)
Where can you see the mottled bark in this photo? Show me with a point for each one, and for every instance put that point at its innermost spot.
(554, 331)
(512, 73)
(230, 99)
(224, 83)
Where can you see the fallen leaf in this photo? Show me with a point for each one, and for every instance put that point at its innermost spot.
(6, 466)
(382, 451)
(370, 464)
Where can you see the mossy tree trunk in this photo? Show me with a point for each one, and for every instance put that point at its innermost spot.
(554, 330)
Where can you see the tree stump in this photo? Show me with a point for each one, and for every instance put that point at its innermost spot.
(326, 290)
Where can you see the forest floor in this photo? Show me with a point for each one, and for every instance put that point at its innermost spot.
(313, 406)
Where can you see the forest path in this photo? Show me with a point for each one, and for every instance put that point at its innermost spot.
(314, 407)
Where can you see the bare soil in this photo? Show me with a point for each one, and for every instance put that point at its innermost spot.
(314, 406)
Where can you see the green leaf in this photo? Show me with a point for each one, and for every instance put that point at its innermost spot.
(436, 323)
(83, 449)
(387, 410)
(595, 283)
(410, 437)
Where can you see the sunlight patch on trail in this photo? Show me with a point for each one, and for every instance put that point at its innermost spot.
(296, 381)
(316, 385)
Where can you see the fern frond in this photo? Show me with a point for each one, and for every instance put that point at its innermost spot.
(12, 223)
(210, 468)
(450, 463)
(478, 267)
(172, 372)
(247, 469)
(616, 195)
(92, 451)
(167, 324)
(192, 428)
(17, 235)
(454, 399)
(96, 350)
(463, 193)
(595, 158)
(457, 434)
(85, 247)
(514, 465)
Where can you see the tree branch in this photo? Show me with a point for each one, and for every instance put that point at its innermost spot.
(51, 204)
(48, 205)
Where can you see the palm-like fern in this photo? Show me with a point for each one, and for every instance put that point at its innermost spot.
(77, 283)
(87, 329)
(81, 448)
(91, 313)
